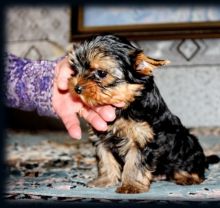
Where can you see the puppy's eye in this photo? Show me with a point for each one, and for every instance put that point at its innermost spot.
(101, 74)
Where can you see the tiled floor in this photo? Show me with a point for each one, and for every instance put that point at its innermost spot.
(51, 166)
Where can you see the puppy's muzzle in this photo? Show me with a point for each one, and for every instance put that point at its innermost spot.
(78, 89)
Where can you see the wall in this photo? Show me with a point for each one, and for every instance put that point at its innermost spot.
(38, 32)
(190, 84)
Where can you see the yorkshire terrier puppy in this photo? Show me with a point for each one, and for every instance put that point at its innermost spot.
(146, 140)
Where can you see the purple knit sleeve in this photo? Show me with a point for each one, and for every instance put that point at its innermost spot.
(28, 84)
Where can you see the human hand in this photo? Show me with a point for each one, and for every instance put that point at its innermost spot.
(67, 107)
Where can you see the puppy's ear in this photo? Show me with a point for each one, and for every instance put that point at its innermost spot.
(70, 51)
(72, 46)
(145, 65)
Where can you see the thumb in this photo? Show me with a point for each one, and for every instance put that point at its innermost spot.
(63, 74)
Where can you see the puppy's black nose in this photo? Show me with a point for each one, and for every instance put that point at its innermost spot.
(78, 89)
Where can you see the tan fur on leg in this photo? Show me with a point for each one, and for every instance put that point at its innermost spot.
(135, 177)
(109, 169)
(184, 178)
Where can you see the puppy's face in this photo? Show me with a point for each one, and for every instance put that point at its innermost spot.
(109, 70)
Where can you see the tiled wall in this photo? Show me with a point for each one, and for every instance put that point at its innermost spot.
(38, 32)
(190, 84)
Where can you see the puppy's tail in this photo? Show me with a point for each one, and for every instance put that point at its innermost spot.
(212, 159)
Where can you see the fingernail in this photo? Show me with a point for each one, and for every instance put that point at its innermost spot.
(119, 105)
(76, 136)
(110, 114)
(100, 125)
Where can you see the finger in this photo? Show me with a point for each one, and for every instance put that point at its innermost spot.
(63, 74)
(106, 112)
(94, 119)
(62, 79)
(72, 125)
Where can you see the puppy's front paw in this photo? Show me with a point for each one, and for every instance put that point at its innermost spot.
(132, 189)
(102, 182)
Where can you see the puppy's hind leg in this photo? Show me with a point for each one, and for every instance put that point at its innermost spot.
(185, 178)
